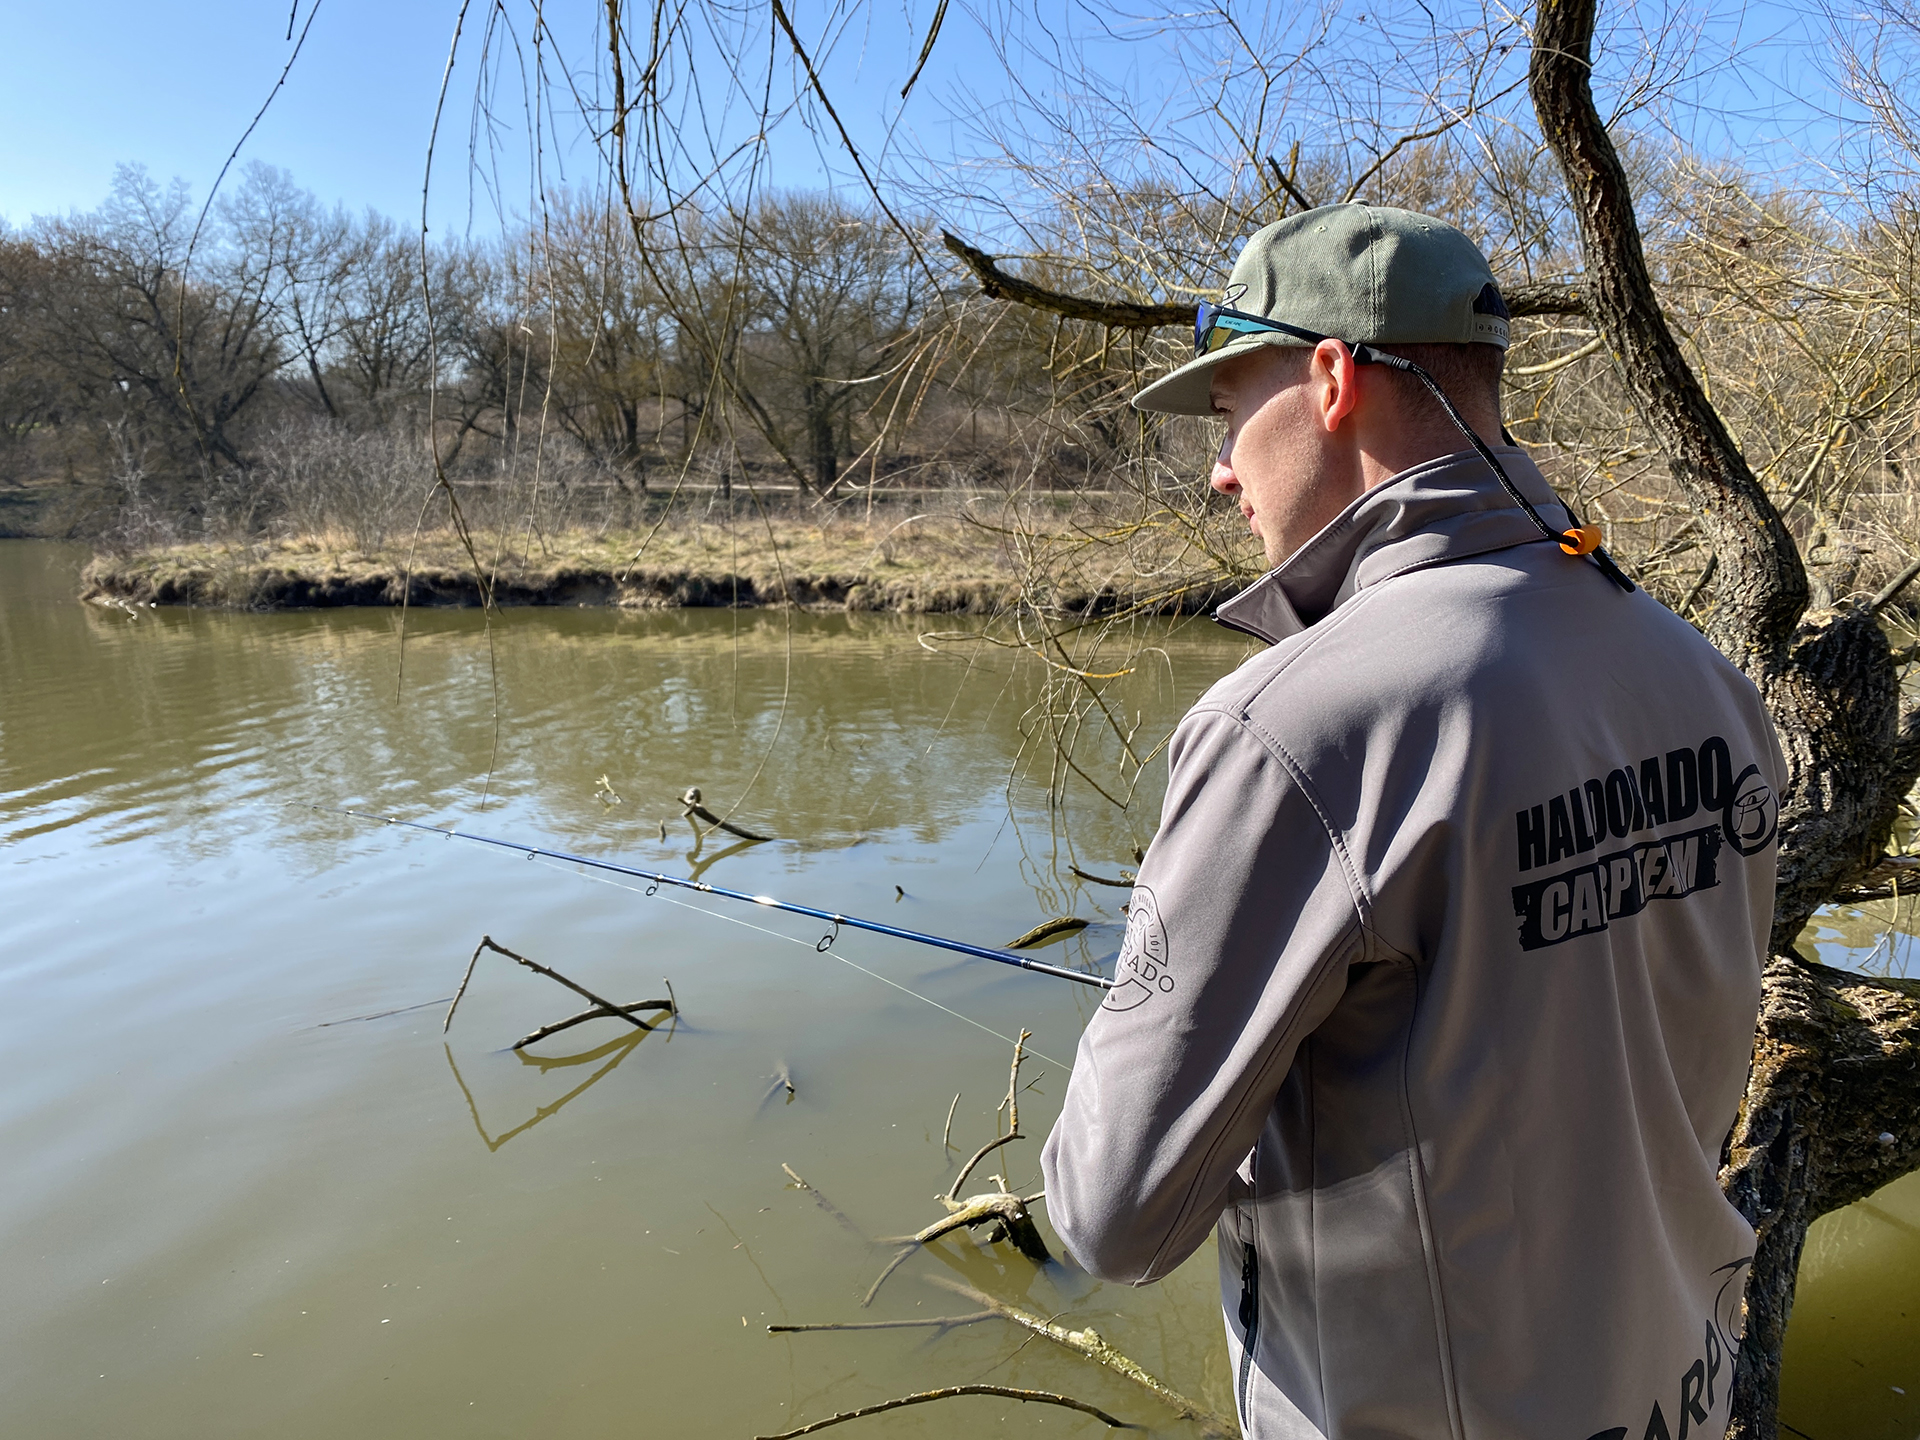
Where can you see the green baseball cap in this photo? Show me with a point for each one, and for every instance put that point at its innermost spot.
(1350, 272)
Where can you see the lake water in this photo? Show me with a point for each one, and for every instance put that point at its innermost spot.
(253, 1190)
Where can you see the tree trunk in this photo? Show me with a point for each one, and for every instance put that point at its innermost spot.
(823, 443)
(1835, 1061)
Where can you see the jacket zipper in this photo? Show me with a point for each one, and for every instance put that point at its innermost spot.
(1249, 1311)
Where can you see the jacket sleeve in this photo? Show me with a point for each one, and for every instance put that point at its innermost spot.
(1239, 933)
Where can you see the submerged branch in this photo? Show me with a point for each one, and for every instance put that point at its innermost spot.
(1043, 1397)
(697, 811)
(596, 1012)
(1046, 930)
(942, 1322)
(1087, 1342)
(602, 1007)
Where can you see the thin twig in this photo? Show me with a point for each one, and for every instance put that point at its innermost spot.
(940, 1321)
(697, 811)
(946, 1135)
(926, 50)
(1087, 1342)
(1892, 589)
(447, 1023)
(595, 1012)
(827, 1205)
(997, 284)
(1043, 1397)
(1286, 180)
(377, 1015)
(487, 943)
(899, 1259)
(1013, 1082)
(979, 1155)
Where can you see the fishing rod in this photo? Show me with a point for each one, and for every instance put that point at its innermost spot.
(656, 879)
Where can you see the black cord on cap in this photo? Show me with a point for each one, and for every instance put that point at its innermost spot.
(1581, 540)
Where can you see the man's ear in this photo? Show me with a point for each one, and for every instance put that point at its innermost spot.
(1337, 379)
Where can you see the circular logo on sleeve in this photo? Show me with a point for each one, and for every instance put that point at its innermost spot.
(1752, 814)
(1142, 969)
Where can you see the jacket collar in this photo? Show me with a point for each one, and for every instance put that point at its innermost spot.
(1442, 509)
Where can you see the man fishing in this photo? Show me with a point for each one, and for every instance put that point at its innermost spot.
(1440, 979)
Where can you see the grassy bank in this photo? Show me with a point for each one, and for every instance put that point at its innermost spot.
(931, 564)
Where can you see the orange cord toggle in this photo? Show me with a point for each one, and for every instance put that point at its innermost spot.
(1583, 540)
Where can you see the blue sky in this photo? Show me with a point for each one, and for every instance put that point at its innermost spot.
(172, 85)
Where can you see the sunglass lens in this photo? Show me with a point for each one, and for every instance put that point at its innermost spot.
(1203, 327)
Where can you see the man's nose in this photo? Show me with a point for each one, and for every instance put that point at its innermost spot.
(1222, 478)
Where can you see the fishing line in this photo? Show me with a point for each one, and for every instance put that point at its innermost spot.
(656, 879)
(796, 940)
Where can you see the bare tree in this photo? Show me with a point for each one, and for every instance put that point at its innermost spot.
(830, 300)
(197, 352)
(607, 329)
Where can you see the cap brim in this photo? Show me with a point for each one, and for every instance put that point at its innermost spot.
(1189, 390)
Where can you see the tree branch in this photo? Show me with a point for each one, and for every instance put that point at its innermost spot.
(997, 284)
(1546, 298)
(1763, 585)
(1891, 590)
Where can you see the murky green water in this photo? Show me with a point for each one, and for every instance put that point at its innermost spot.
(236, 1208)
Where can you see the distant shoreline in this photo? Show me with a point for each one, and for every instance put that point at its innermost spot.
(304, 574)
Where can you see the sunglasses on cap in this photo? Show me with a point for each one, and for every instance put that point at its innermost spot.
(1216, 325)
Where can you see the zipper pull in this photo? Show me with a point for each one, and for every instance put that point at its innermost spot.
(1249, 1289)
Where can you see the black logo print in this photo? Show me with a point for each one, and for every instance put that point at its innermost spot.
(1752, 814)
(1587, 900)
(1142, 971)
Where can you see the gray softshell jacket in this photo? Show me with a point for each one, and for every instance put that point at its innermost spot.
(1439, 988)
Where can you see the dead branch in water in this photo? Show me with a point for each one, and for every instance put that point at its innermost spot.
(899, 1259)
(1009, 1215)
(1125, 882)
(1012, 1105)
(953, 1195)
(1043, 1397)
(593, 1012)
(827, 1205)
(1013, 1082)
(697, 811)
(943, 1322)
(782, 1080)
(602, 1007)
(1046, 930)
(946, 1135)
(1087, 1342)
(1006, 1213)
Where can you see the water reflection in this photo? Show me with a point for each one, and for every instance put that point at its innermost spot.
(234, 1154)
(226, 1103)
(613, 1052)
(1852, 1356)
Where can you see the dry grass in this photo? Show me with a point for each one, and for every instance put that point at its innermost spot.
(946, 561)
